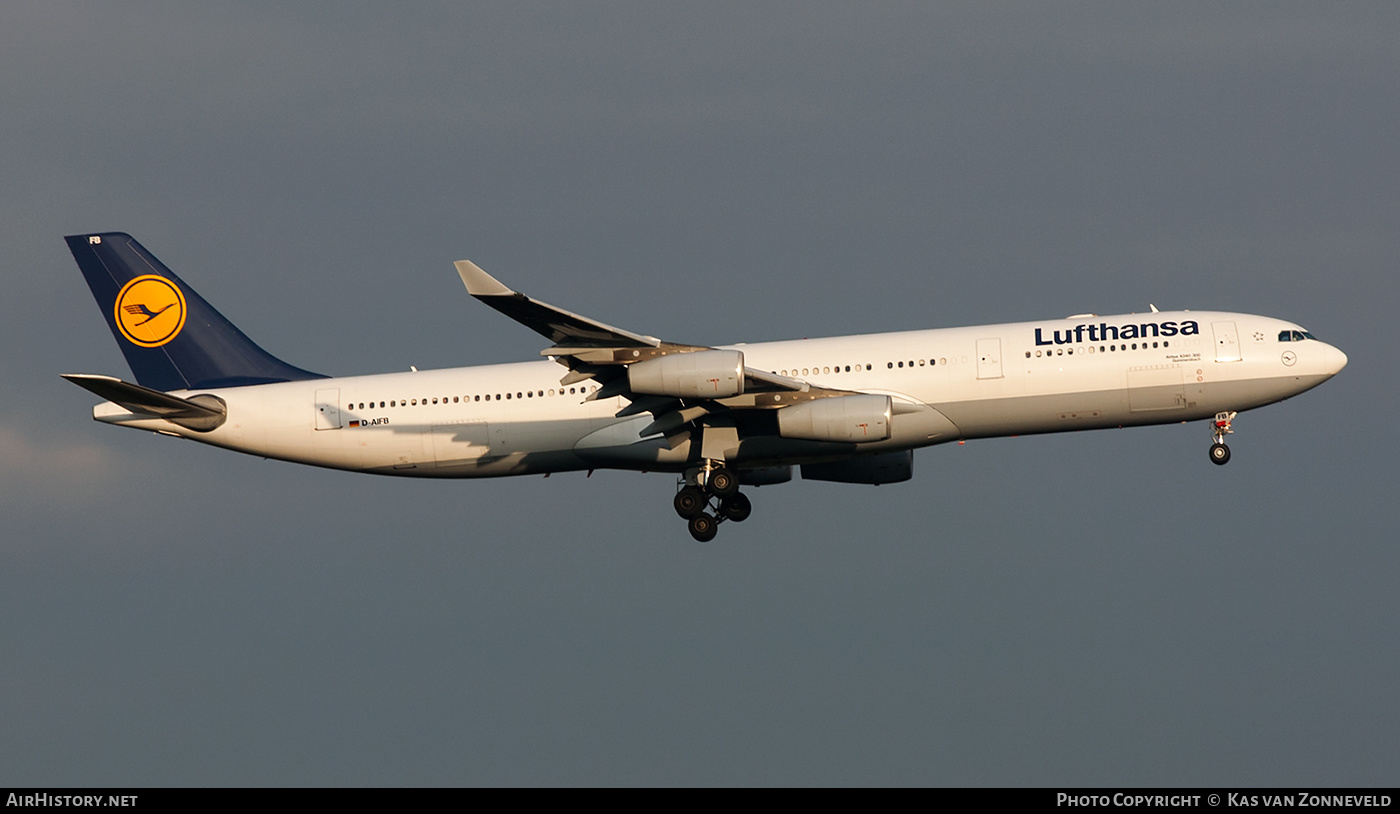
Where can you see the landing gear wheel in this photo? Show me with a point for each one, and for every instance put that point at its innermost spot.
(704, 527)
(722, 483)
(736, 507)
(1219, 454)
(690, 501)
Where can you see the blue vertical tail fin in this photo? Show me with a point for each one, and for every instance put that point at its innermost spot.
(171, 337)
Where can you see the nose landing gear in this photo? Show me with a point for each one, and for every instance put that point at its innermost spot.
(1219, 453)
(713, 487)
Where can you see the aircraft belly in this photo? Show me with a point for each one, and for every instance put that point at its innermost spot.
(619, 444)
(1156, 387)
(461, 442)
(475, 449)
(523, 448)
(922, 427)
(1148, 402)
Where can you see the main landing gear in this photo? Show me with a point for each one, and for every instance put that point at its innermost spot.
(715, 487)
(1219, 453)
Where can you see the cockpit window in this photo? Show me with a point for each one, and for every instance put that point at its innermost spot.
(1294, 336)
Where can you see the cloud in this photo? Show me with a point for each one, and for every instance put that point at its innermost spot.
(43, 472)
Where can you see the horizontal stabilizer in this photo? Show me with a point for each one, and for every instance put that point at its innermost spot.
(200, 413)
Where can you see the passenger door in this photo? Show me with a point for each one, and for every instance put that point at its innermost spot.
(328, 409)
(989, 359)
(1227, 342)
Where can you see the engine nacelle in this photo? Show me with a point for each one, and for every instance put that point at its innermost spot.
(858, 419)
(891, 467)
(706, 374)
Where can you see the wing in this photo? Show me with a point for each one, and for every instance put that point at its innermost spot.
(557, 325)
(679, 384)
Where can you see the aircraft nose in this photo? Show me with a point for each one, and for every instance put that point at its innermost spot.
(1334, 361)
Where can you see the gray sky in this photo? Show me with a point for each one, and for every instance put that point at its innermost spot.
(1094, 608)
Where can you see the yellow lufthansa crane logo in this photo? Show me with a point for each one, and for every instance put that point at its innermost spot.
(150, 311)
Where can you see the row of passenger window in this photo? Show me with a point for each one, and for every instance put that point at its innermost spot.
(1102, 349)
(815, 371)
(942, 360)
(524, 394)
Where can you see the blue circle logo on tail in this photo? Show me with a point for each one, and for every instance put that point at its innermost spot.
(150, 311)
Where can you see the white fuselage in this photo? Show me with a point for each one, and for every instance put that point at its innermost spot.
(947, 384)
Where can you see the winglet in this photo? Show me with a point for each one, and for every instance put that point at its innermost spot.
(478, 282)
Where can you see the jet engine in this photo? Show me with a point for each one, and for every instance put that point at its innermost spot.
(706, 374)
(857, 418)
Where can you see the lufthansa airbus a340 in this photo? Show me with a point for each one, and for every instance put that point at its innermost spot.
(849, 409)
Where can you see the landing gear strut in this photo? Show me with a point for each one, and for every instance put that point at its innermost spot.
(713, 487)
(1219, 453)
